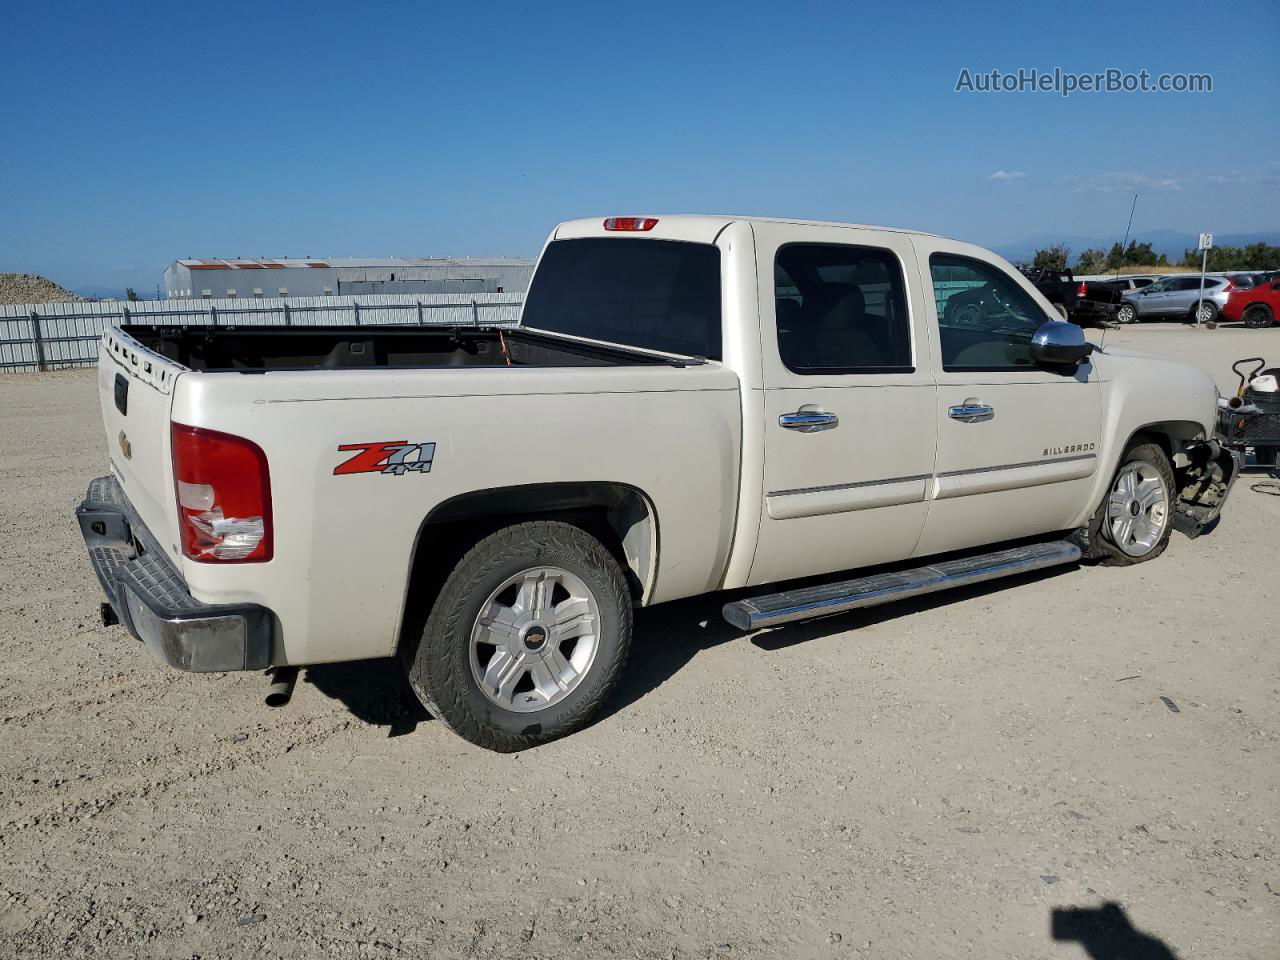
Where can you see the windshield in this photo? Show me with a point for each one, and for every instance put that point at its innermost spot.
(657, 294)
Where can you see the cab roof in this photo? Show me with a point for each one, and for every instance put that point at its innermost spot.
(697, 227)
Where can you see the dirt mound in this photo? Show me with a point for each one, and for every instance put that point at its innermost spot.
(32, 288)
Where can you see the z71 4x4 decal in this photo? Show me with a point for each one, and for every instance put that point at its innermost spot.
(395, 457)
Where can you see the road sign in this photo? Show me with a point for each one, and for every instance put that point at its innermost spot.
(1206, 241)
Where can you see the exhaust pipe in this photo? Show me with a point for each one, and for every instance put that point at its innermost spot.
(281, 689)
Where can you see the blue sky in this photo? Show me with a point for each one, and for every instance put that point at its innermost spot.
(140, 132)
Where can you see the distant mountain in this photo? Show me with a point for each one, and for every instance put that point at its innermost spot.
(1172, 243)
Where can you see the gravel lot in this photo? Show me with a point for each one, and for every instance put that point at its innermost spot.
(928, 779)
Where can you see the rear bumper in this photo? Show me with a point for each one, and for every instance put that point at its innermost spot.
(150, 598)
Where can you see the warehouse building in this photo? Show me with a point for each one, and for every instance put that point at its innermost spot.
(248, 279)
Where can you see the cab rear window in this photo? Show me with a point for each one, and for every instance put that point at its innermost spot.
(656, 294)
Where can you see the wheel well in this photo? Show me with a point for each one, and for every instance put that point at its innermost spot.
(620, 516)
(1171, 436)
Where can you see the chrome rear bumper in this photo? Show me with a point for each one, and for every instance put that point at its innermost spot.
(149, 597)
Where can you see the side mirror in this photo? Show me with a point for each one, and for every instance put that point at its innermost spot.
(1059, 343)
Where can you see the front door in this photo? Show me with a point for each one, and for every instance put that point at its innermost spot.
(1017, 443)
(849, 400)
(1152, 301)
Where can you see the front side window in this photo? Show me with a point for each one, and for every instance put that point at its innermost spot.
(655, 294)
(985, 320)
(841, 309)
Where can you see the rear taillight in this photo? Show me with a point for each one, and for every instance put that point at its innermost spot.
(224, 496)
(1082, 290)
(630, 223)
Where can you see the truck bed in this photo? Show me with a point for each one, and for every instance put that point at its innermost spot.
(261, 349)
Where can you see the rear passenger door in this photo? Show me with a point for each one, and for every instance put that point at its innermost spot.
(849, 400)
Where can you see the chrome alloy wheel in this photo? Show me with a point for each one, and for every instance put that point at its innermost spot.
(1137, 509)
(534, 639)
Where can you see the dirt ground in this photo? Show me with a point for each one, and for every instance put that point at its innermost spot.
(929, 779)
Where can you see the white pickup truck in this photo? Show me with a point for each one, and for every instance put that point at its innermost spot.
(689, 404)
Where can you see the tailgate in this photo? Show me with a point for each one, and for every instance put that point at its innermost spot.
(135, 391)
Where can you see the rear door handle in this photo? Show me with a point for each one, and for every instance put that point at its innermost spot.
(969, 412)
(808, 421)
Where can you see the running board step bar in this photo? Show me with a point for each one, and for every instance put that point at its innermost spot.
(807, 603)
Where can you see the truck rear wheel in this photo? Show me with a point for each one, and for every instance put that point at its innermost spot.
(1134, 521)
(526, 638)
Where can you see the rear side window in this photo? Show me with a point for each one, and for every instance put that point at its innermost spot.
(841, 309)
(656, 294)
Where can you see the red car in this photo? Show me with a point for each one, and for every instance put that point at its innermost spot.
(1258, 307)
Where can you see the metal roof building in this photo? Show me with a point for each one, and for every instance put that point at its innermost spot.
(218, 278)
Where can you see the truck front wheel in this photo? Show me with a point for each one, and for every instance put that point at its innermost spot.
(1135, 519)
(526, 638)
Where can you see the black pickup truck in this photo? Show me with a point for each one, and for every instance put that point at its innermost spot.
(1098, 300)
(1058, 287)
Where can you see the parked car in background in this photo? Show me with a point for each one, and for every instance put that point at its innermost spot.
(1246, 281)
(1176, 298)
(1098, 300)
(1058, 287)
(1256, 307)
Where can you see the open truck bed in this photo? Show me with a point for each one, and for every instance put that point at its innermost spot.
(259, 349)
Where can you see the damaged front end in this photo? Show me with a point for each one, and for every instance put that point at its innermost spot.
(1205, 472)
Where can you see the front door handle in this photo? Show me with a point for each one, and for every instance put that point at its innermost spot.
(971, 412)
(808, 421)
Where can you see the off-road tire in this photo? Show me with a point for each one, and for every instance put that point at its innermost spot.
(439, 665)
(1095, 547)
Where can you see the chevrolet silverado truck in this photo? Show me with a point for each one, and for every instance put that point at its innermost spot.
(689, 404)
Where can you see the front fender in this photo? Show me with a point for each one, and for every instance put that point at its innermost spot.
(1174, 402)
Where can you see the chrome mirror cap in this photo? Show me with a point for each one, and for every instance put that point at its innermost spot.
(1059, 342)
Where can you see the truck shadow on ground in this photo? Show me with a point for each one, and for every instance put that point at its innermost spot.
(1106, 933)
(665, 640)
(376, 691)
(669, 636)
